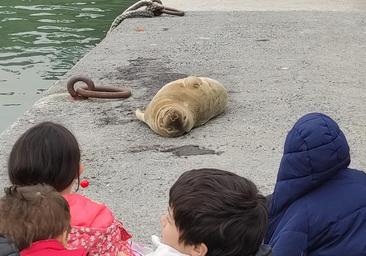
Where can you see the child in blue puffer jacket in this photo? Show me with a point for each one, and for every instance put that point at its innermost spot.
(319, 204)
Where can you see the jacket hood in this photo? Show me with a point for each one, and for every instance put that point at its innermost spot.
(315, 150)
(87, 213)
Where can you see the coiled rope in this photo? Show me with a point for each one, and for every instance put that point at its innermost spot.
(144, 8)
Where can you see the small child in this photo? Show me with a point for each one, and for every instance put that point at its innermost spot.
(213, 213)
(48, 153)
(37, 219)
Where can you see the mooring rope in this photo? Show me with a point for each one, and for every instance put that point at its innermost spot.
(144, 8)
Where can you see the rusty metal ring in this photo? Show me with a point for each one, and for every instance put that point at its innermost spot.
(91, 91)
(107, 92)
(172, 11)
(73, 80)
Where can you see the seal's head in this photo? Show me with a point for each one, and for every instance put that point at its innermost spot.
(173, 121)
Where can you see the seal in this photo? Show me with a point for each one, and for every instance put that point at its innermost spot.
(184, 104)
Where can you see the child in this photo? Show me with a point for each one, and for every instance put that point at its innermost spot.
(49, 153)
(319, 205)
(37, 219)
(213, 213)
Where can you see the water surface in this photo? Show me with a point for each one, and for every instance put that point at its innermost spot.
(40, 40)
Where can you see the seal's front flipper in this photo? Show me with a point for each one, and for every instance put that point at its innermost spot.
(140, 115)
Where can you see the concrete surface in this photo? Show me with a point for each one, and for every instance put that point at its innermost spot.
(268, 5)
(276, 66)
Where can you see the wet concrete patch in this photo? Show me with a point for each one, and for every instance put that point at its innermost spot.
(113, 117)
(147, 73)
(103, 121)
(134, 71)
(139, 149)
(191, 150)
(183, 151)
(11, 104)
(6, 93)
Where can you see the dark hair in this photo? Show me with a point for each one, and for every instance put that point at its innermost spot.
(221, 209)
(46, 153)
(33, 213)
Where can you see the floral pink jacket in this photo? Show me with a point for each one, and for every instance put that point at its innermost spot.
(94, 227)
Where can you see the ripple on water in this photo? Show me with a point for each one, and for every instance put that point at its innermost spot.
(34, 7)
(7, 12)
(90, 15)
(92, 10)
(46, 7)
(68, 29)
(56, 21)
(22, 61)
(12, 19)
(42, 14)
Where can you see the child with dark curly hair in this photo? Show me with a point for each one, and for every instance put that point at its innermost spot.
(213, 213)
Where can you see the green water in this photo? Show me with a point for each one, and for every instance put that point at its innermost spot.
(40, 40)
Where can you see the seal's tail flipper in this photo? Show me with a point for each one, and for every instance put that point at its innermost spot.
(140, 115)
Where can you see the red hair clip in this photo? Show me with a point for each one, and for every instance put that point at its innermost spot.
(84, 183)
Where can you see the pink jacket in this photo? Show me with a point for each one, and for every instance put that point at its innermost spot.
(50, 248)
(94, 227)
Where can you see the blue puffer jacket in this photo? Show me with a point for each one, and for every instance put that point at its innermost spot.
(319, 204)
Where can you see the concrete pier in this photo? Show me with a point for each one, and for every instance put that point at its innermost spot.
(277, 65)
(269, 5)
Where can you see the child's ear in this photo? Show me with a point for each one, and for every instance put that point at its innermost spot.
(199, 250)
(81, 169)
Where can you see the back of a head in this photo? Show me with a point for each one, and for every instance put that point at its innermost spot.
(314, 147)
(315, 150)
(316, 130)
(33, 213)
(47, 153)
(221, 209)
